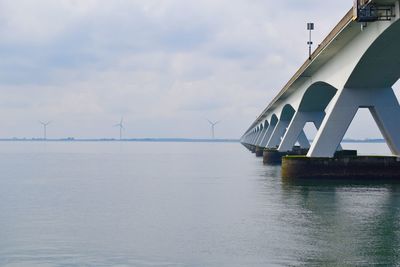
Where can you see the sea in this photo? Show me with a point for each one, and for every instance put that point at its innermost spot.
(185, 204)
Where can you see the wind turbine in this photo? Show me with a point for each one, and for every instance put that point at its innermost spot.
(213, 127)
(44, 128)
(121, 127)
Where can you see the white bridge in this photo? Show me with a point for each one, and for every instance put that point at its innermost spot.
(355, 67)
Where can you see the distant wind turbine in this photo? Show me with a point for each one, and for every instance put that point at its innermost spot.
(213, 127)
(121, 127)
(44, 124)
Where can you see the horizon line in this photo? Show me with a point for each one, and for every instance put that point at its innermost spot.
(160, 139)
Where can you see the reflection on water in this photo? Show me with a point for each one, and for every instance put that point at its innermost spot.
(351, 224)
(166, 204)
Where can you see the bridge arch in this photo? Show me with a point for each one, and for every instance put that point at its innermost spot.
(274, 119)
(263, 128)
(287, 113)
(379, 67)
(317, 97)
(269, 126)
(266, 124)
(311, 109)
(285, 117)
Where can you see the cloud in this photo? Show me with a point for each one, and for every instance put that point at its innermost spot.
(164, 65)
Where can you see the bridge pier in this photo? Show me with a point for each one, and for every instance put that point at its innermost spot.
(259, 135)
(269, 131)
(256, 135)
(249, 147)
(277, 134)
(385, 110)
(259, 151)
(295, 129)
(262, 134)
(274, 156)
(253, 136)
(250, 138)
(346, 167)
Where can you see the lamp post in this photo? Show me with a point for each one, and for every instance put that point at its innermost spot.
(310, 27)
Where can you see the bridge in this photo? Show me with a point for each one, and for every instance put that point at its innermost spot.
(354, 67)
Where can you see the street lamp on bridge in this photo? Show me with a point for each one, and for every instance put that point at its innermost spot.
(310, 27)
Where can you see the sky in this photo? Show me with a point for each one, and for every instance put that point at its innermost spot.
(165, 66)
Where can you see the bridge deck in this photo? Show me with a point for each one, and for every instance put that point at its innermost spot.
(337, 30)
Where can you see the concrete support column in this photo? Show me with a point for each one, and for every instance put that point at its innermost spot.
(303, 141)
(267, 135)
(388, 119)
(246, 140)
(277, 134)
(250, 138)
(261, 137)
(253, 140)
(295, 130)
(383, 105)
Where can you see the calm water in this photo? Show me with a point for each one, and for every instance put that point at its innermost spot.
(184, 204)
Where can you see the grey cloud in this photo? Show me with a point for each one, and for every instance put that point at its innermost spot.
(161, 64)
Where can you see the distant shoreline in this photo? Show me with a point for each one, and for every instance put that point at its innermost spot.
(70, 139)
(183, 140)
(364, 141)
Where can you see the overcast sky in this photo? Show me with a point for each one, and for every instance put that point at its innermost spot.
(164, 65)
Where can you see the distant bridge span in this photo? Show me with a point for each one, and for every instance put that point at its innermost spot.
(354, 67)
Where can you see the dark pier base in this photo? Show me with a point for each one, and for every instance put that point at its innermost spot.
(342, 167)
(259, 151)
(274, 157)
(250, 147)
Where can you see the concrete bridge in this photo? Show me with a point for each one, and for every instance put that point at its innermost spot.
(354, 67)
